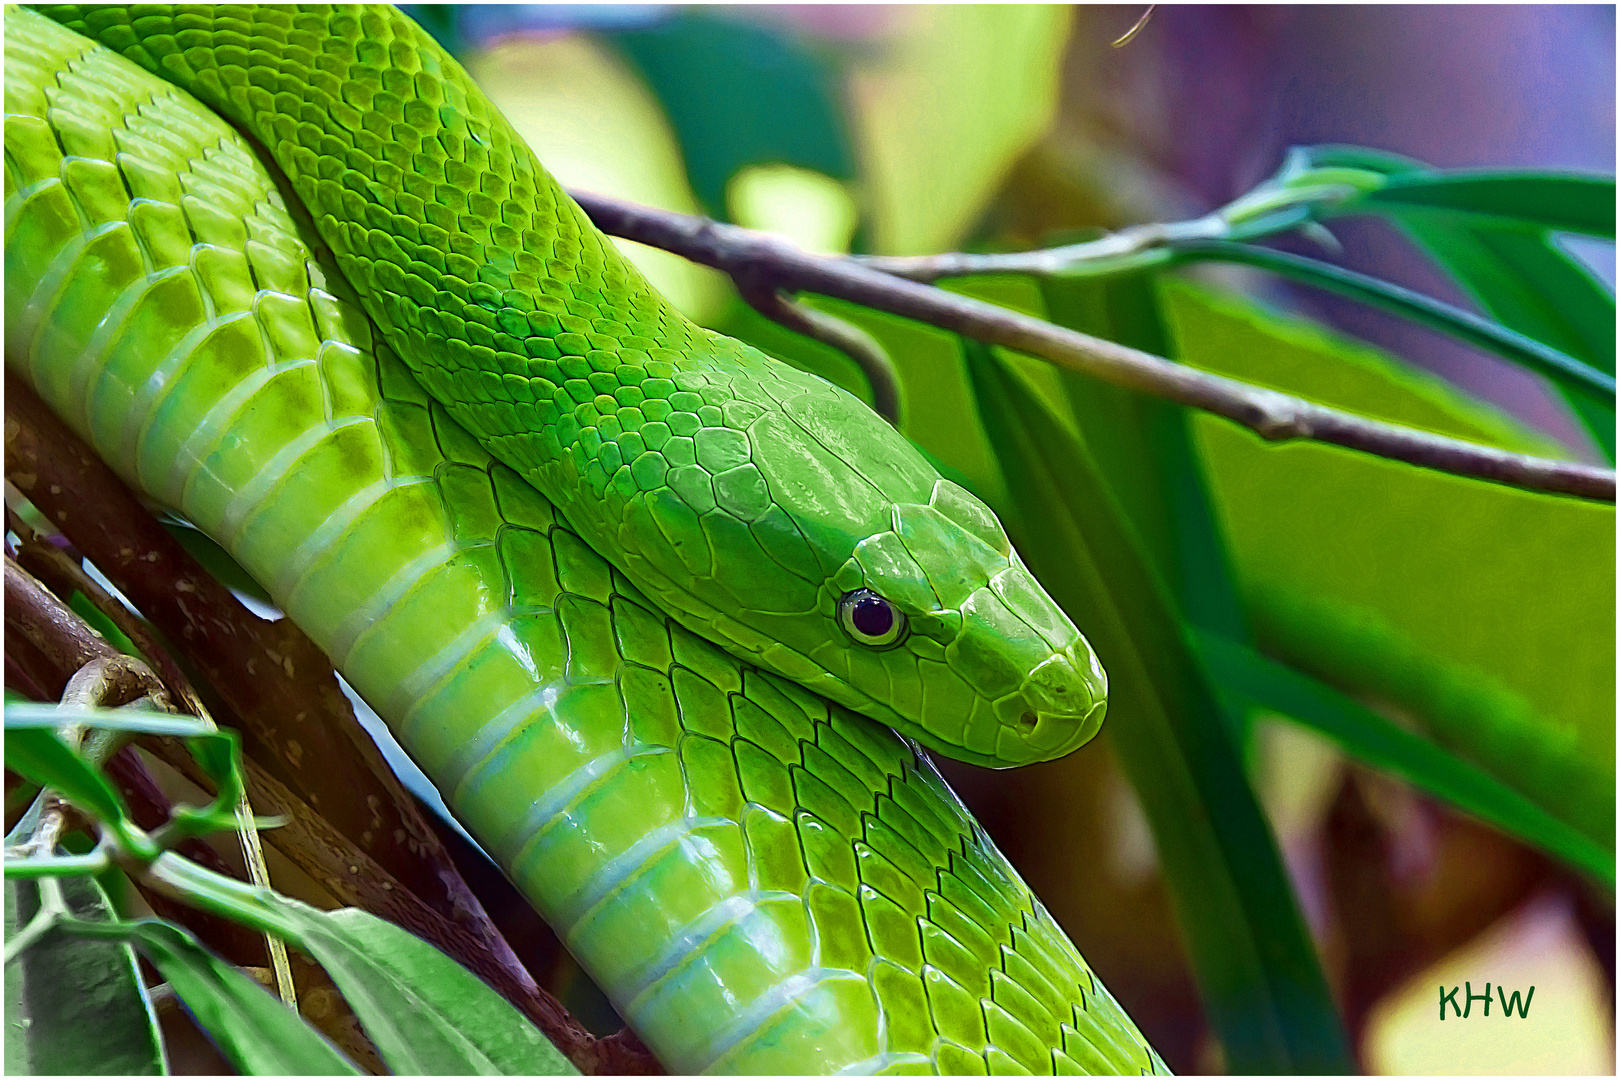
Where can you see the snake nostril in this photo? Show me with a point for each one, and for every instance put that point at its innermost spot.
(1027, 722)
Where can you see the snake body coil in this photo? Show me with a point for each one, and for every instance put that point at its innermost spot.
(761, 880)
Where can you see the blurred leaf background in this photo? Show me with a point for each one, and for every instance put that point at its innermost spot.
(1361, 735)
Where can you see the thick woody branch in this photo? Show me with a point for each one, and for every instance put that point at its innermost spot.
(352, 826)
(310, 842)
(754, 257)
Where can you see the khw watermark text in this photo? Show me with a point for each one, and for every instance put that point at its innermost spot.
(1510, 1005)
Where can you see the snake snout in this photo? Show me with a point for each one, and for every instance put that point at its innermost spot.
(1059, 707)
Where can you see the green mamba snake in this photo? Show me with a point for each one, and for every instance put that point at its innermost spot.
(518, 513)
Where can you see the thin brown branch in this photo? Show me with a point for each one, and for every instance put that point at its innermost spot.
(847, 338)
(66, 576)
(758, 257)
(267, 680)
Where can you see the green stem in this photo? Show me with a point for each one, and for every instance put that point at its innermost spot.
(201, 888)
(52, 907)
(61, 866)
(1466, 326)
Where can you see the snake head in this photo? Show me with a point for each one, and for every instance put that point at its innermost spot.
(856, 570)
(988, 668)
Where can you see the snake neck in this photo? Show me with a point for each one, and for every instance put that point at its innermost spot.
(747, 499)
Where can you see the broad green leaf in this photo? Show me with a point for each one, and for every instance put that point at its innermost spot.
(425, 1012)
(422, 1010)
(1376, 741)
(1555, 201)
(1484, 611)
(1256, 967)
(75, 1005)
(254, 1030)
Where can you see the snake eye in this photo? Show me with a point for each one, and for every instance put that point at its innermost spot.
(870, 619)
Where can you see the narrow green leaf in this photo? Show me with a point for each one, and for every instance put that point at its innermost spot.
(37, 753)
(254, 1030)
(1141, 445)
(1343, 156)
(1519, 276)
(1466, 326)
(1485, 613)
(1382, 744)
(219, 754)
(135, 721)
(1526, 282)
(1561, 202)
(75, 1006)
(1257, 969)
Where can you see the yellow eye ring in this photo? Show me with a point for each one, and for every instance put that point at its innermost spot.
(870, 619)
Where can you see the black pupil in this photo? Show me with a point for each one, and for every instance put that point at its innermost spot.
(872, 616)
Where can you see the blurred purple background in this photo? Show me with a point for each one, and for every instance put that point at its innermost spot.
(1216, 95)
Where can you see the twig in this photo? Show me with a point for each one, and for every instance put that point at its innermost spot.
(111, 682)
(847, 338)
(64, 640)
(1272, 415)
(64, 574)
(1136, 28)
